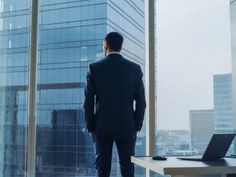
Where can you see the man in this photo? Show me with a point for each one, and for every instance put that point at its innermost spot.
(113, 85)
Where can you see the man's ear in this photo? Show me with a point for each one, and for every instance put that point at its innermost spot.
(105, 45)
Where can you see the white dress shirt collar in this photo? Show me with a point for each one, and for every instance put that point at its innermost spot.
(113, 53)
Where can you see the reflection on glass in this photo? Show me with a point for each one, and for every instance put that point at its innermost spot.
(14, 48)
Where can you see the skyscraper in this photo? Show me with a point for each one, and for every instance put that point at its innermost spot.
(224, 121)
(201, 128)
(70, 37)
(223, 103)
(14, 51)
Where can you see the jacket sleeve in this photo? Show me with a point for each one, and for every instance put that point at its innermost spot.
(89, 93)
(140, 102)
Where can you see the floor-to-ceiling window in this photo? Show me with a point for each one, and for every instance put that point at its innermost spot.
(70, 36)
(127, 17)
(194, 75)
(14, 51)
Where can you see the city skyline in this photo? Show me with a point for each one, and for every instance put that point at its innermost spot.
(192, 46)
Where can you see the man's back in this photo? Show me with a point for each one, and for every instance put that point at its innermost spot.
(117, 83)
(113, 85)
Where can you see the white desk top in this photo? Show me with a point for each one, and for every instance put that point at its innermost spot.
(173, 166)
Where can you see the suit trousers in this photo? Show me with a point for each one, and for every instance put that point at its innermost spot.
(103, 145)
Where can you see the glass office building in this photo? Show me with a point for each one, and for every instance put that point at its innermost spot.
(223, 105)
(223, 114)
(70, 37)
(201, 128)
(14, 51)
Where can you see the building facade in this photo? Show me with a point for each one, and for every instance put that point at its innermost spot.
(201, 128)
(224, 121)
(223, 114)
(71, 35)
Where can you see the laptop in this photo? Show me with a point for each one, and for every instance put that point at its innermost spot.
(216, 149)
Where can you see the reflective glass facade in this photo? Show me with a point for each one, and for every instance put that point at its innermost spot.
(70, 37)
(223, 114)
(14, 50)
(223, 105)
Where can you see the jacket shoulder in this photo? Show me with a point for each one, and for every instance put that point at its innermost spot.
(97, 63)
(132, 64)
(128, 63)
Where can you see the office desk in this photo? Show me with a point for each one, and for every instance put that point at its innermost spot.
(176, 167)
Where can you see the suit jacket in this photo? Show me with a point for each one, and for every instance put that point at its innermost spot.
(114, 96)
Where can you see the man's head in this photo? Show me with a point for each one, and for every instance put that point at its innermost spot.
(113, 42)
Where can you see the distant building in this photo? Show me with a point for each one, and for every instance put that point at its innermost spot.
(224, 121)
(223, 104)
(172, 142)
(201, 128)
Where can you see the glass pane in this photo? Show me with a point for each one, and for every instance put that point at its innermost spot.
(130, 23)
(70, 37)
(194, 75)
(14, 51)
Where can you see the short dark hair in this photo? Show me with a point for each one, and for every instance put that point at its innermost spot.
(114, 40)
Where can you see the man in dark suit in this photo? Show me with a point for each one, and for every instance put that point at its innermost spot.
(114, 84)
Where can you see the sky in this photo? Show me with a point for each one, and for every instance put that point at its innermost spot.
(193, 44)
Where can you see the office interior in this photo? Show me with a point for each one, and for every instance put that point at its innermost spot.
(186, 50)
